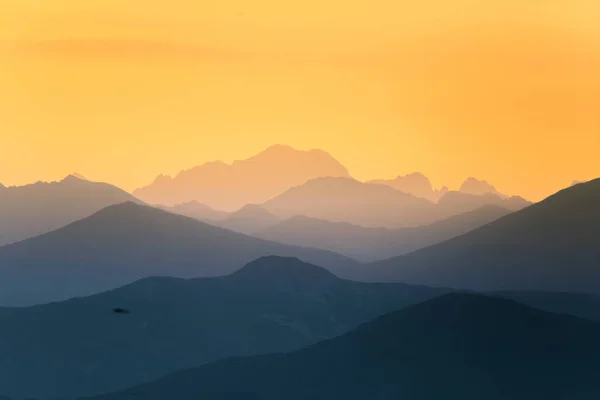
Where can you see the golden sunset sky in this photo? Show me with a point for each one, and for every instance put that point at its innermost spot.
(122, 90)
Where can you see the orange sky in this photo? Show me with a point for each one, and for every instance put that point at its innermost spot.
(122, 90)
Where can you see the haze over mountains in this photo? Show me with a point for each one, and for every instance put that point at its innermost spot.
(272, 304)
(416, 184)
(126, 242)
(348, 200)
(281, 169)
(31, 210)
(370, 244)
(102, 284)
(457, 202)
(249, 219)
(308, 183)
(419, 185)
(457, 346)
(553, 245)
(375, 205)
(475, 186)
(194, 209)
(252, 181)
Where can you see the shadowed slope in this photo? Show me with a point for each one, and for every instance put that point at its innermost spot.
(126, 242)
(553, 245)
(82, 346)
(31, 210)
(457, 346)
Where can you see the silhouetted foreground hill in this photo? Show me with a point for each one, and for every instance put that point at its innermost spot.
(454, 347)
(83, 347)
(126, 242)
(553, 245)
(251, 181)
(582, 305)
(31, 210)
(370, 244)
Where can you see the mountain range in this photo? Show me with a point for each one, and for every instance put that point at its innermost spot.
(370, 244)
(553, 245)
(375, 205)
(453, 203)
(419, 185)
(416, 184)
(81, 347)
(456, 346)
(274, 177)
(252, 181)
(479, 187)
(126, 242)
(348, 200)
(160, 325)
(31, 210)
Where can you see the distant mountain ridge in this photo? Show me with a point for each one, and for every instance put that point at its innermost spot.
(31, 210)
(419, 185)
(553, 245)
(457, 202)
(415, 183)
(126, 242)
(374, 205)
(456, 346)
(348, 200)
(371, 244)
(479, 187)
(251, 181)
(249, 219)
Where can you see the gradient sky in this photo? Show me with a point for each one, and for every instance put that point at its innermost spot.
(122, 90)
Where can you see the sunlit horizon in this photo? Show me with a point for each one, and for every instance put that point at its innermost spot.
(124, 91)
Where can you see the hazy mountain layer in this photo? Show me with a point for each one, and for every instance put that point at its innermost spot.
(252, 181)
(126, 242)
(31, 210)
(370, 244)
(375, 205)
(553, 245)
